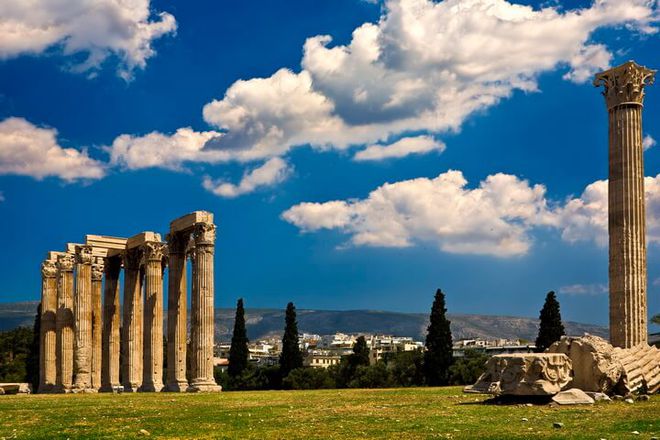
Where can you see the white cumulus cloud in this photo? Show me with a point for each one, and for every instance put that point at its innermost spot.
(648, 142)
(492, 219)
(272, 172)
(495, 218)
(28, 150)
(97, 28)
(401, 148)
(164, 151)
(424, 66)
(585, 218)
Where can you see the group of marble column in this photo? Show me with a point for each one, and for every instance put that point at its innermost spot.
(86, 346)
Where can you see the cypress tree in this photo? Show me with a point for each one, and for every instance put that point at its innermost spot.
(360, 354)
(238, 352)
(438, 356)
(291, 357)
(550, 329)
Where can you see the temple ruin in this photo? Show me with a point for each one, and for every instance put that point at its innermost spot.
(83, 335)
(627, 364)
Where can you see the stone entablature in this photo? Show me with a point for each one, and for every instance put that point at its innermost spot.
(534, 374)
(80, 322)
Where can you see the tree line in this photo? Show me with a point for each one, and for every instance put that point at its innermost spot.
(433, 366)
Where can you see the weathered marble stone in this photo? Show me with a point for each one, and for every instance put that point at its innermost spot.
(598, 366)
(16, 388)
(595, 368)
(641, 368)
(48, 337)
(598, 397)
(534, 374)
(573, 396)
(624, 96)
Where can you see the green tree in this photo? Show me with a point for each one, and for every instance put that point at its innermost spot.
(550, 328)
(14, 349)
(360, 354)
(308, 379)
(371, 376)
(33, 355)
(349, 364)
(238, 352)
(438, 355)
(466, 369)
(291, 356)
(406, 368)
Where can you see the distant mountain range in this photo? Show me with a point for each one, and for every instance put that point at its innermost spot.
(269, 322)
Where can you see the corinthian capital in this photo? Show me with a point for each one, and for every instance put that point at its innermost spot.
(84, 254)
(625, 84)
(153, 251)
(65, 262)
(48, 269)
(204, 234)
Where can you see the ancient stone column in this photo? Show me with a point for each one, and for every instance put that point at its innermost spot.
(47, 354)
(82, 313)
(153, 259)
(131, 344)
(624, 96)
(64, 323)
(111, 319)
(97, 321)
(202, 324)
(177, 312)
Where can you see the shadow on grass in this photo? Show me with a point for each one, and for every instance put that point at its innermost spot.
(513, 400)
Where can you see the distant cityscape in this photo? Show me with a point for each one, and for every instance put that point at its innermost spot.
(324, 351)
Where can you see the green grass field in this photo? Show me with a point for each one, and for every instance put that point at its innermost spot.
(405, 413)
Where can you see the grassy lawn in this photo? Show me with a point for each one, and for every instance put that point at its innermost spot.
(404, 413)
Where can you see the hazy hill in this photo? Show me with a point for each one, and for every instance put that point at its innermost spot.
(264, 322)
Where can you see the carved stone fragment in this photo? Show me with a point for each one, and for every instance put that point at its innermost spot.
(533, 374)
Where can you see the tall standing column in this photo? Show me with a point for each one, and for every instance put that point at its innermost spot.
(202, 324)
(132, 325)
(97, 321)
(177, 312)
(47, 356)
(82, 313)
(153, 254)
(111, 319)
(64, 323)
(624, 96)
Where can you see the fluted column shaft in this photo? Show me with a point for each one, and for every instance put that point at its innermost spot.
(153, 253)
(111, 324)
(624, 96)
(97, 322)
(177, 312)
(202, 323)
(627, 226)
(132, 343)
(82, 313)
(64, 323)
(48, 343)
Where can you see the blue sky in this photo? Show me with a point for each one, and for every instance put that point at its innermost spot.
(483, 88)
